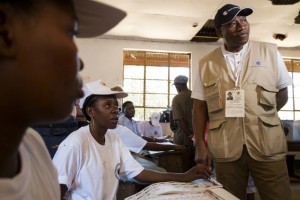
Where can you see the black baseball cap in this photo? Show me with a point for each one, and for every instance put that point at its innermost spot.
(228, 12)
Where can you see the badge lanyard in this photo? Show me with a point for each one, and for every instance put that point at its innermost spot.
(235, 99)
(237, 75)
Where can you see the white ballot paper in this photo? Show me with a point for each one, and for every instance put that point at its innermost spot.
(235, 103)
(200, 189)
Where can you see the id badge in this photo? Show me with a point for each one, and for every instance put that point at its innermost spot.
(235, 103)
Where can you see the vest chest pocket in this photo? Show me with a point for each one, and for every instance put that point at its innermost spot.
(213, 95)
(267, 98)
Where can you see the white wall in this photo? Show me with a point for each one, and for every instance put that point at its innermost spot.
(103, 58)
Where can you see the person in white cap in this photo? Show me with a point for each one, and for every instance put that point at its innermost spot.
(151, 128)
(39, 67)
(245, 134)
(92, 160)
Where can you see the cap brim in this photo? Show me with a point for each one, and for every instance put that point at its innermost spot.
(120, 94)
(87, 93)
(245, 12)
(96, 18)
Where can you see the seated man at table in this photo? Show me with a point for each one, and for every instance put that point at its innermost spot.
(138, 147)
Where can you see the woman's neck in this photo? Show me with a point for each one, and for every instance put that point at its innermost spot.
(98, 134)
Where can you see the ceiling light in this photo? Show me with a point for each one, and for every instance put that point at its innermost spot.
(279, 36)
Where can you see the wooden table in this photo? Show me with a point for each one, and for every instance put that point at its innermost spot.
(172, 161)
(293, 145)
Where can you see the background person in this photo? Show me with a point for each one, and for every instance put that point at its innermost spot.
(152, 128)
(127, 120)
(181, 110)
(249, 140)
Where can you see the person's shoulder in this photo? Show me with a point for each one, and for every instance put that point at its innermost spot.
(210, 55)
(176, 97)
(142, 123)
(77, 137)
(120, 130)
(122, 119)
(113, 137)
(32, 136)
(33, 140)
(187, 92)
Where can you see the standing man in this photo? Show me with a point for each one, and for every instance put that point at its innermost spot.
(181, 111)
(245, 135)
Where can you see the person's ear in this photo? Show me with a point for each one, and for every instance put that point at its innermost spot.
(7, 48)
(219, 32)
(90, 112)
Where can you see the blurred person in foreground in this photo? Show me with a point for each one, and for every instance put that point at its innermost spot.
(245, 134)
(39, 67)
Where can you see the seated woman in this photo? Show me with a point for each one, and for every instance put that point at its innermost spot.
(91, 160)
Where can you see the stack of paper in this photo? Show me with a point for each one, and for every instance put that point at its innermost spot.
(200, 189)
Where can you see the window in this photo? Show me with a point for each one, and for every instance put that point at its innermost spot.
(148, 78)
(291, 111)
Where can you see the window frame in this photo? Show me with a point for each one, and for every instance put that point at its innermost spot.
(143, 111)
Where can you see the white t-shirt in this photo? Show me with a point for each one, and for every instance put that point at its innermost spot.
(92, 171)
(149, 130)
(37, 178)
(133, 142)
(130, 124)
(233, 61)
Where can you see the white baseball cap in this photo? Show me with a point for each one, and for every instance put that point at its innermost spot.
(96, 18)
(99, 88)
(154, 117)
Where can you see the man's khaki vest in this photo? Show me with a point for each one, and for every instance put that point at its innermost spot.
(260, 130)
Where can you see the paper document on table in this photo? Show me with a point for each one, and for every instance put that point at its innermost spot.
(199, 189)
(157, 152)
